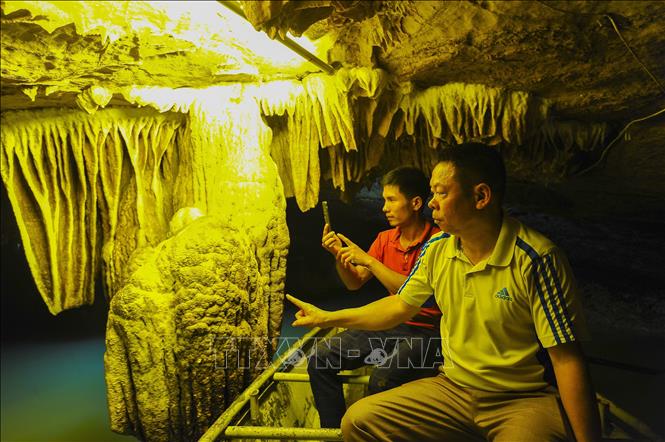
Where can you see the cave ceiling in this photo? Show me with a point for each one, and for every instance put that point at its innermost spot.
(567, 52)
(592, 61)
(51, 51)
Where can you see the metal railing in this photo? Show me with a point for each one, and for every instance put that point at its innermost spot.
(222, 428)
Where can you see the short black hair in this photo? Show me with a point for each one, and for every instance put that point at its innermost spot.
(477, 163)
(411, 181)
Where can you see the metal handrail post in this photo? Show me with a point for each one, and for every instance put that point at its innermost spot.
(283, 433)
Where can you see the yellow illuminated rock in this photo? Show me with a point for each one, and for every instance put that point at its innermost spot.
(215, 280)
(320, 112)
(209, 155)
(63, 171)
(186, 332)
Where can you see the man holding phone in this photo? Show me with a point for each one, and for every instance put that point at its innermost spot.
(406, 352)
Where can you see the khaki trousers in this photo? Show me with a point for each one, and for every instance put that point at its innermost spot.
(436, 409)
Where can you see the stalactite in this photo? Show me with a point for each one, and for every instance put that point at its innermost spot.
(58, 167)
(279, 151)
(360, 117)
(171, 290)
(322, 113)
(552, 151)
(411, 151)
(458, 112)
(348, 114)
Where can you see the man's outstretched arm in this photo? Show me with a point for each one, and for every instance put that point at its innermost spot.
(379, 315)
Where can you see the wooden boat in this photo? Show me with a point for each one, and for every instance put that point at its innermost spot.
(279, 405)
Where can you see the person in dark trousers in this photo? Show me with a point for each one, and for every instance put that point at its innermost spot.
(406, 351)
(511, 309)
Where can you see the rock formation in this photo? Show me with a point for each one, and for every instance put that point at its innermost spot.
(178, 347)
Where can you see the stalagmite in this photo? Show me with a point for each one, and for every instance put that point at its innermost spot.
(213, 284)
(181, 330)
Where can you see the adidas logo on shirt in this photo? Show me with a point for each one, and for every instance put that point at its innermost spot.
(503, 294)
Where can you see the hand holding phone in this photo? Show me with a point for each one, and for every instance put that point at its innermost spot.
(329, 239)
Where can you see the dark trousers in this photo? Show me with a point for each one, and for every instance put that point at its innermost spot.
(399, 355)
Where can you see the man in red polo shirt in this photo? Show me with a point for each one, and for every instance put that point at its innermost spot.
(404, 353)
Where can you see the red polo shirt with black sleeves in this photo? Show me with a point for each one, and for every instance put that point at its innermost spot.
(387, 249)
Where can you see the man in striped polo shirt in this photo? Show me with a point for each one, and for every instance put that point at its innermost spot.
(511, 313)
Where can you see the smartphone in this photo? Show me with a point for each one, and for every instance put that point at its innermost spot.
(326, 214)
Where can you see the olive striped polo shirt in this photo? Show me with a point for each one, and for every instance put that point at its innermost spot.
(501, 311)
